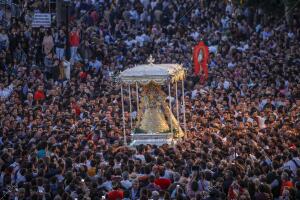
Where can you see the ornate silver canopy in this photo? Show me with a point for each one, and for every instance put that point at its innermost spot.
(158, 73)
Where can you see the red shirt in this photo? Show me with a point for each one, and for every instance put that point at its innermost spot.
(116, 195)
(234, 194)
(76, 108)
(286, 184)
(163, 183)
(74, 39)
(82, 75)
(39, 95)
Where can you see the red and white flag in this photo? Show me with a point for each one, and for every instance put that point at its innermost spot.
(200, 58)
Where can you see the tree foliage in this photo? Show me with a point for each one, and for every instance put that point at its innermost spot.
(273, 6)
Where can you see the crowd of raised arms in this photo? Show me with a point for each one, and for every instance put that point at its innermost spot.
(61, 133)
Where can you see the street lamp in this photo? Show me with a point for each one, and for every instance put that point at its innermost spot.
(67, 3)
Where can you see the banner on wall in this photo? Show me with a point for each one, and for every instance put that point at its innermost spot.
(41, 20)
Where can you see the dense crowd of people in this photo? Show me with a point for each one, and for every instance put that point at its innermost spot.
(60, 120)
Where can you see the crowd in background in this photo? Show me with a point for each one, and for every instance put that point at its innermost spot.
(61, 131)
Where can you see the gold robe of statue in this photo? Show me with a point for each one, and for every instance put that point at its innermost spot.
(153, 118)
(154, 114)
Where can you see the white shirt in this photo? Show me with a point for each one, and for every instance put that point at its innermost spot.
(172, 99)
(194, 93)
(60, 178)
(134, 15)
(141, 39)
(277, 103)
(126, 184)
(145, 3)
(134, 114)
(145, 17)
(213, 49)
(291, 165)
(6, 92)
(226, 84)
(225, 22)
(243, 47)
(129, 43)
(262, 104)
(153, 4)
(88, 163)
(41, 189)
(290, 34)
(20, 178)
(229, 9)
(261, 122)
(4, 39)
(168, 174)
(67, 64)
(141, 157)
(195, 35)
(1, 178)
(258, 28)
(266, 35)
(107, 185)
(233, 156)
(203, 185)
(250, 120)
(95, 65)
(231, 65)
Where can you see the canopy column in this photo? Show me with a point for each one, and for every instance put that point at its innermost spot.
(123, 116)
(130, 106)
(177, 106)
(170, 104)
(183, 105)
(137, 98)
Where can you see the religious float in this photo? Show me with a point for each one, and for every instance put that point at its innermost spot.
(155, 122)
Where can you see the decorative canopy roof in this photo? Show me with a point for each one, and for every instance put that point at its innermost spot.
(158, 73)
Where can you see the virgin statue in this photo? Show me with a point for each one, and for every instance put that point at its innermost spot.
(153, 116)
